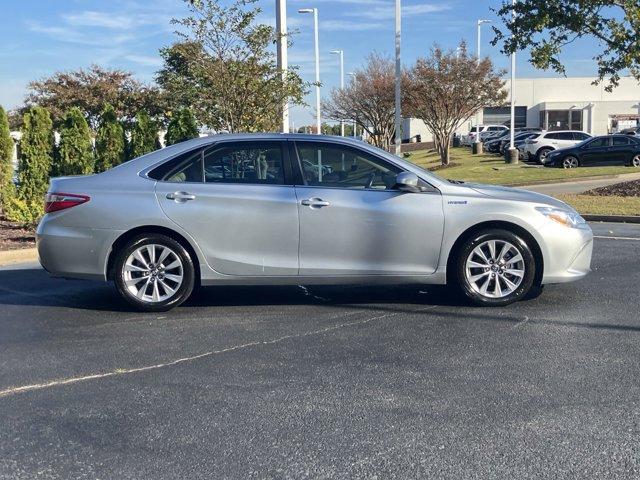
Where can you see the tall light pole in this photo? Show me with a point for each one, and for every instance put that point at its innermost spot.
(341, 53)
(317, 51)
(281, 28)
(513, 153)
(398, 76)
(477, 138)
(355, 123)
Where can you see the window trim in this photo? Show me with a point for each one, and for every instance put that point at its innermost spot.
(302, 182)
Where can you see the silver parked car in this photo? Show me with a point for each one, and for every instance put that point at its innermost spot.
(302, 209)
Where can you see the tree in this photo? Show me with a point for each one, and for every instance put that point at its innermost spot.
(181, 127)
(110, 141)
(446, 88)
(34, 166)
(90, 90)
(225, 68)
(6, 164)
(545, 27)
(143, 135)
(369, 98)
(75, 151)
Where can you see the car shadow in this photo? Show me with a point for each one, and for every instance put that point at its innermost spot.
(33, 287)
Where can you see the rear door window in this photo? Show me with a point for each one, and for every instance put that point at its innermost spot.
(620, 141)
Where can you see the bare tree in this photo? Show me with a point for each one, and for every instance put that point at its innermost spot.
(446, 88)
(368, 100)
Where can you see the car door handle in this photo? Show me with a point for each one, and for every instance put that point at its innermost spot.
(315, 203)
(181, 197)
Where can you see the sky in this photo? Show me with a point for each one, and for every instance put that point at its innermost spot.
(40, 37)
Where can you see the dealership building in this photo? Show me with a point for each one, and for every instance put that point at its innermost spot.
(557, 104)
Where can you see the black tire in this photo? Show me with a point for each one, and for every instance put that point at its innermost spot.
(542, 153)
(181, 293)
(570, 161)
(480, 238)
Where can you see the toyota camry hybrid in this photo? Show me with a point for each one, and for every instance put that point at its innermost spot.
(303, 210)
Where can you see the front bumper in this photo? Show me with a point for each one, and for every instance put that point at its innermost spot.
(73, 252)
(568, 253)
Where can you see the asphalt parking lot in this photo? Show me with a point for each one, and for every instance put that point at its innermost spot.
(324, 382)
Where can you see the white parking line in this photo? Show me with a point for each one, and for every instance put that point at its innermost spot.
(122, 371)
(616, 238)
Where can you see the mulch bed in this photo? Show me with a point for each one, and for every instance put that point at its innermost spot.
(14, 236)
(624, 189)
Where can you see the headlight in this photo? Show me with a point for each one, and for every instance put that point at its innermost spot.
(563, 217)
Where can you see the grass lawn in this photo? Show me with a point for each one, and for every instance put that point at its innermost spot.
(599, 205)
(493, 169)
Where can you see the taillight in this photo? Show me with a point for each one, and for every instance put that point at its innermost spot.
(59, 201)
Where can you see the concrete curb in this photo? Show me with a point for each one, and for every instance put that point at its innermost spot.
(612, 218)
(618, 176)
(9, 257)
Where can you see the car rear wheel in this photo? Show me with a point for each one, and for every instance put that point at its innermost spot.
(635, 161)
(570, 162)
(495, 268)
(542, 153)
(154, 273)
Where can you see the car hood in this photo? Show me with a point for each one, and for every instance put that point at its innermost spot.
(514, 194)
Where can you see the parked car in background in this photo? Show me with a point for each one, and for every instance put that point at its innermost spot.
(537, 148)
(631, 131)
(496, 144)
(471, 136)
(597, 151)
(298, 209)
(518, 140)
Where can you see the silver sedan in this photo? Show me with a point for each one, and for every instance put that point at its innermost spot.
(298, 209)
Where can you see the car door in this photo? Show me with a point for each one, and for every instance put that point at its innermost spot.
(353, 221)
(235, 199)
(564, 140)
(595, 152)
(622, 149)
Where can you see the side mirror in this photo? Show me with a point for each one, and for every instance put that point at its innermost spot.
(407, 182)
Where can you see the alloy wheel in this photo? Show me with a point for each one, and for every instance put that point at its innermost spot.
(570, 162)
(153, 273)
(635, 161)
(495, 268)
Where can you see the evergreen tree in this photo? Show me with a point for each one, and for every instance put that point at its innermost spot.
(36, 146)
(182, 127)
(75, 152)
(110, 141)
(143, 135)
(34, 166)
(6, 154)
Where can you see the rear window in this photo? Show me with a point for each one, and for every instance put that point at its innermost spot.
(580, 136)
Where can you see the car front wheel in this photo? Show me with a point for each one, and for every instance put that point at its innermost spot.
(495, 268)
(635, 161)
(570, 162)
(154, 273)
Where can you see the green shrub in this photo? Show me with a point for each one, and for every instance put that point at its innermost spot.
(75, 152)
(34, 164)
(25, 212)
(6, 154)
(110, 141)
(181, 127)
(143, 135)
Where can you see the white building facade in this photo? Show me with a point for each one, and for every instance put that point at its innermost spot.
(557, 104)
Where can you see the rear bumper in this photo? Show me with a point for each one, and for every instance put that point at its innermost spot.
(74, 252)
